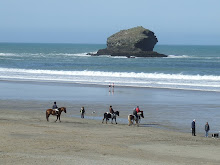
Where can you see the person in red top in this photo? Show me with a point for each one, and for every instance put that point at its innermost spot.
(138, 109)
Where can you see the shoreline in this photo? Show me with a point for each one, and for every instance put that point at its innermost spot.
(69, 83)
(165, 108)
(94, 112)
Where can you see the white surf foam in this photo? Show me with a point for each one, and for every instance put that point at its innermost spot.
(180, 56)
(8, 55)
(158, 80)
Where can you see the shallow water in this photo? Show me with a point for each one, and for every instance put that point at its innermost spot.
(163, 108)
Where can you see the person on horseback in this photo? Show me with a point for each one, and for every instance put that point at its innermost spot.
(138, 109)
(55, 108)
(111, 110)
(135, 111)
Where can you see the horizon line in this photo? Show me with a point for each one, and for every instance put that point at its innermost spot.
(104, 43)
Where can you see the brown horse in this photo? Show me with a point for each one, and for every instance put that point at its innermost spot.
(132, 118)
(53, 112)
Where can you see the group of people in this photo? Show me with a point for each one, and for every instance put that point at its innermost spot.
(111, 111)
(193, 127)
(135, 113)
(111, 86)
(82, 110)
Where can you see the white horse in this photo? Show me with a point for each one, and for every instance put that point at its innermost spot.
(132, 118)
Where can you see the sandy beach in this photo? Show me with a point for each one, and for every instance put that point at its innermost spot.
(27, 138)
(163, 137)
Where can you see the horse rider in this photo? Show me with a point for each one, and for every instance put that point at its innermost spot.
(55, 108)
(111, 110)
(136, 110)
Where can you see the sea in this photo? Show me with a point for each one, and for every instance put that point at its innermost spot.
(186, 67)
(172, 90)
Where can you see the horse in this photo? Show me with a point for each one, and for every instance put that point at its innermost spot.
(132, 118)
(108, 115)
(53, 112)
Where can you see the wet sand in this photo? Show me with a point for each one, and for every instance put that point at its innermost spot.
(27, 138)
(164, 108)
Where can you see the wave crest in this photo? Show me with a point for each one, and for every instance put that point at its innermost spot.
(158, 80)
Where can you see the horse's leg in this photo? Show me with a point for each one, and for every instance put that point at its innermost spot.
(47, 116)
(115, 121)
(103, 120)
(56, 119)
(137, 123)
(59, 117)
(112, 121)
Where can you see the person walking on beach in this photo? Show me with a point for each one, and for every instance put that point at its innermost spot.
(193, 127)
(207, 128)
(55, 108)
(82, 111)
(111, 110)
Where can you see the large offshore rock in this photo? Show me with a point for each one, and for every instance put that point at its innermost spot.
(136, 41)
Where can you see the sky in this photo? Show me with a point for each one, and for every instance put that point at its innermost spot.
(181, 22)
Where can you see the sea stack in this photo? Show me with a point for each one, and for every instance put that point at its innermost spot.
(134, 42)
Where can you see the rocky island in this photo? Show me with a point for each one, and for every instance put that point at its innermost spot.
(134, 42)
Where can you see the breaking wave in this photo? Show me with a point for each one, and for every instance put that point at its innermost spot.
(154, 80)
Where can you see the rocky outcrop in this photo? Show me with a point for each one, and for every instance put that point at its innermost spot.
(135, 42)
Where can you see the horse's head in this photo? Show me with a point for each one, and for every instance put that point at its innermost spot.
(117, 113)
(142, 114)
(62, 109)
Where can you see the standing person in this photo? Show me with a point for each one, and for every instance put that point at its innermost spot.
(82, 111)
(207, 128)
(111, 110)
(109, 87)
(113, 88)
(193, 127)
(55, 108)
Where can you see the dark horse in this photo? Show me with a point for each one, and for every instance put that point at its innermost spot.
(132, 118)
(108, 115)
(53, 112)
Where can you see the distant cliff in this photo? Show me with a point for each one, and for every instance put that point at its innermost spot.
(135, 42)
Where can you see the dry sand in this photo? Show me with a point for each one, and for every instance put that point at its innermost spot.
(27, 138)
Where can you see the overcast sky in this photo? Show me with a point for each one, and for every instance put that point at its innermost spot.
(92, 21)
